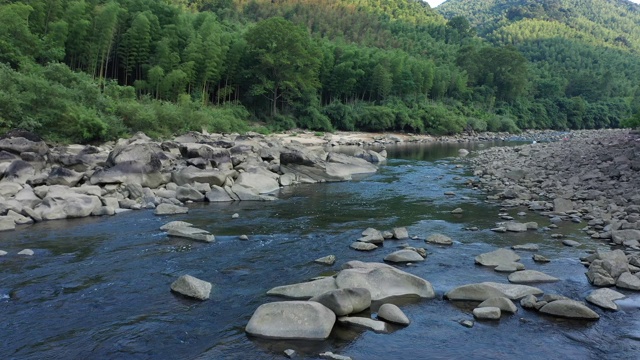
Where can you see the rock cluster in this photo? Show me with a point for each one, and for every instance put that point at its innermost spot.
(614, 268)
(41, 182)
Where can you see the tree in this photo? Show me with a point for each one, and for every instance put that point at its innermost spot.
(285, 61)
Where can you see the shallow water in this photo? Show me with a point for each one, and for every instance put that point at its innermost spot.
(98, 288)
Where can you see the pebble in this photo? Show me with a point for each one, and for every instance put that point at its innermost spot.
(235, 216)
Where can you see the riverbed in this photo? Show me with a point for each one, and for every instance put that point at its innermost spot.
(98, 288)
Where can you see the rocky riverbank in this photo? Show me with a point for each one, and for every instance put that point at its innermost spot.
(42, 182)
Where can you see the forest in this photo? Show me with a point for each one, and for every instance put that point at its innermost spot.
(94, 70)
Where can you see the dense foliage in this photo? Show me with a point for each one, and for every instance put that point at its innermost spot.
(90, 70)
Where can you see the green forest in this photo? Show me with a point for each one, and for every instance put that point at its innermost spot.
(94, 70)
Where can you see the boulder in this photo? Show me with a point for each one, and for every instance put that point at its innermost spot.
(487, 290)
(27, 197)
(530, 277)
(7, 223)
(326, 260)
(366, 323)
(261, 183)
(628, 281)
(305, 290)
(385, 283)
(515, 227)
(303, 320)
(539, 258)
(402, 256)
(526, 247)
(439, 239)
(392, 313)
(571, 243)
(487, 313)
(562, 205)
(345, 166)
(9, 188)
(170, 209)
(605, 298)
(569, 309)
(501, 303)
(190, 286)
(19, 145)
(19, 219)
(371, 156)
(331, 356)
(509, 267)
(63, 176)
(400, 233)
(614, 262)
(626, 235)
(188, 193)
(66, 204)
(19, 171)
(191, 174)
(497, 257)
(26, 252)
(345, 301)
(218, 194)
(191, 233)
(598, 276)
(361, 246)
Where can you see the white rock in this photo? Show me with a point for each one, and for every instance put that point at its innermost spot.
(190, 286)
(530, 276)
(27, 252)
(487, 313)
(370, 324)
(393, 314)
(302, 320)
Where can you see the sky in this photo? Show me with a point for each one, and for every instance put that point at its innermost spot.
(434, 3)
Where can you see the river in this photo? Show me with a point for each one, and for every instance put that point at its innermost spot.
(98, 288)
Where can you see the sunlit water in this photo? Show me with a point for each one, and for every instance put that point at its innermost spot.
(98, 288)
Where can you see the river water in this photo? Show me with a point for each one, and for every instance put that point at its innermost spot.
(98, 288)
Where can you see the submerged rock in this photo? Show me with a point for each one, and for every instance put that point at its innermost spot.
(402, 256)
(487, 290)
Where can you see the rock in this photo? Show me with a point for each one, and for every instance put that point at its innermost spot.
(509, 267)
(467, 323)
(529, 302)
(497, 257)
(327, 260)
(235, 216)
(344, 166)
(385, 283)
(190, 286)
(400, 233)
(622, 236)
(62, 203)
(361, 246)
(188, 193)
(530, 276)
(628, 281)
(402, 256)
(191, 174)
(499, 229)
(175, 225)
(290, 353)
(243, 237)
(487, 290)
(531, 225)
(501, 303)
(463, 152)
(393, 314)
(305, 290)
(19, 145)
(104, 211)
(7, 223)
(598, 276)
(457, 211)
(262, 183)
(516, 227)
(219, 194)
(571, 243)
(439, 239)
(487, 313)
(332, 356)
(539, 258)
(191, 233)
(369, 324)
(63, 176)
(3, 253)
(614, 262)
(570, 309)
(605, 298)
(170, 209)
(562, 205)
(449, 193)
(26, 252)
(301, 320)
(345, 301)
(526, 247)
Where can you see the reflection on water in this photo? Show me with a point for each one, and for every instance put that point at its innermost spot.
(99, 287)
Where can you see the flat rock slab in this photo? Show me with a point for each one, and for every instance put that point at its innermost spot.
(170, 209)
(487, 313)
(392, 313)
(530, 276)
(515, 227)
(295, 320)
(331, 356)
(385, 282)
(526, 247)
(439, 239)
(190, 286)
(362, 246)
(191, 233)
(605, 298)
(326, 260)
(305, 290)
(571, 243)
(487, 290)
(369, 324)
(569, 309)
(509, 267)
(628, 281)
(497, 257)
(402, 256)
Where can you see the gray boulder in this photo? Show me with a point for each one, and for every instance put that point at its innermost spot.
(326, 260)
(66, 204)
(487, 313)
(7, 223)
(385, 283)
(305, 290)
(19, 145)
(345, 301)
(562, 205)
(303, 320)
(188, 193)
(487, 290)
(392, 313)
(605, 298)
(515, 227)
(190, 286)
(402, 256)
(439, 239)
(63, 176)
(366, 323)
(622, 236)
(501, 303)
(191, 233)
(530, 277)
(526, 247)
(262, 183)
(361, 246)
(218, 194)
(628, 281)
(497, 257)
(170, 209)
(191, 174)
(569, 309)
(400, 233)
